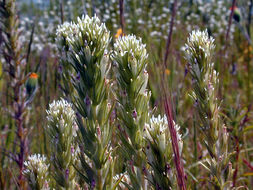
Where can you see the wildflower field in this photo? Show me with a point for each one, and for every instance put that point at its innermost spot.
(126, 94)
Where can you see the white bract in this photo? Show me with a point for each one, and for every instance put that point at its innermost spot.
(87, 31)
(36, 162)
(66, 29)
(36, 170)
(157, 128)
(158, 123)
(130, 44)
(62, 113)
(199, 43)
(60, 107)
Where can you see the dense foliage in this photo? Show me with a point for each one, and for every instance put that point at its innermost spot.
(127, 94)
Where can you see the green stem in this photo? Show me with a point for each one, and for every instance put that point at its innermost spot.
(195, 151)
(99, 180)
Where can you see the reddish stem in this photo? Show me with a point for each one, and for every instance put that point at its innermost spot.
(168, 110)
(174, 139)
(170, 32)
(248, 164)
(230, 20)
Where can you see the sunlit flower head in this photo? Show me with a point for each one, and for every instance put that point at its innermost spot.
(157, 127)
(158, 124)
(36, 171)
(157, 131)
(36, 162)
(199, 46)
(59, 108)
(130, 44)
(87, 31)
(61, 114)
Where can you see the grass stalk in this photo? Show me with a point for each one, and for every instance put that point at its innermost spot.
(174, 12)
(174, 139)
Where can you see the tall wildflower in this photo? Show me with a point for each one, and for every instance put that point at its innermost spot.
(36, 172)
(199, 50)
(15, 66)
(131, 60)
(159, 152)
(88, 39)
(61, 132)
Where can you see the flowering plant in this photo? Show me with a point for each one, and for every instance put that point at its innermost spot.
(199, 50)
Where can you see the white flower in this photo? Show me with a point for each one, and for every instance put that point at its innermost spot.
(61, 107)
(36, 170)
(199, 43)
(66, 29)
(158, 123)
(86, 31)
(130, 44)
(157, 128)
(62, 113)
(36, 162)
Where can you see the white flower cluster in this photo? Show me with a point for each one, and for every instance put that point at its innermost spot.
(158, 21)
(61, 107)
(130, 44)
(157, 129)
(36, 170)
(158, 123)
(199, 43)
(62, 112)
(87, 31)
(66, 29)
(36, 162)
(161, 123)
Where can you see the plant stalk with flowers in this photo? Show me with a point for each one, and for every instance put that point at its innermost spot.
(61, 132)
(133, 97)
(199, 50)
(88, 39)
(36, 171)
(15, 67)
(159, 153)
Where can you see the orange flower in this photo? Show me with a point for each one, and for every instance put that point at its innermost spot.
(119, 33)
(167, 71)
(33, 76)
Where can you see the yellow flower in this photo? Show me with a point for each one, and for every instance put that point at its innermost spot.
(167, 71)
(119, 33)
